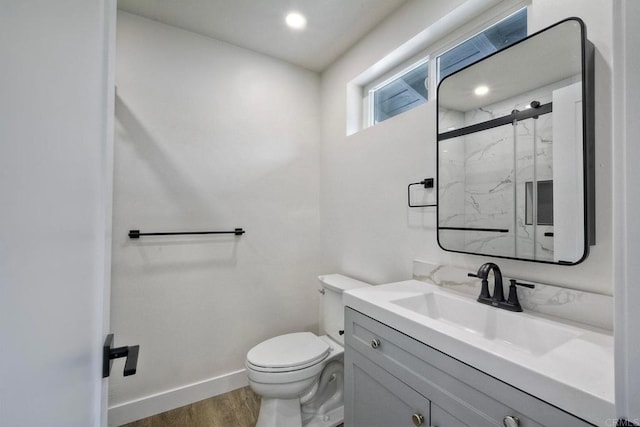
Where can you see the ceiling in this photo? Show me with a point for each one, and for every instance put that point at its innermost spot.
(333, 26)
(550, 56)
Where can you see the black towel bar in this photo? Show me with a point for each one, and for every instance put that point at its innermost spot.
(135, 234)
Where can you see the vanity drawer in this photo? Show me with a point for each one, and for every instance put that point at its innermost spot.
(473, 397)
(379, 399)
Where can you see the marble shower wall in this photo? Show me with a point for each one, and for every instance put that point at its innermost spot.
(489, 190)
(451, 180)
(533, 135)
(483, 179)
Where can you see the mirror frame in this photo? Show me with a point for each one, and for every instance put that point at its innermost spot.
(588, 128)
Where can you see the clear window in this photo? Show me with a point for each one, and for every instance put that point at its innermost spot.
(498, 36)
(390, 94)
(401, 93)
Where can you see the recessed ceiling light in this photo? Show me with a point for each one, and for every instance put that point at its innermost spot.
(481, 90)
(296, 20)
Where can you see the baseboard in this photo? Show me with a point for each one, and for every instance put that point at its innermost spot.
(165, 401)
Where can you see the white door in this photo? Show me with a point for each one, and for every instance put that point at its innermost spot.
(55, 197)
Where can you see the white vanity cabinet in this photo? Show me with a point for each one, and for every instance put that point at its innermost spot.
(393, 380)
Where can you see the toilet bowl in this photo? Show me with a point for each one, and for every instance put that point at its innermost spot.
(300, 375)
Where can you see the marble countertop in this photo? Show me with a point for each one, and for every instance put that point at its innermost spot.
(576, 376)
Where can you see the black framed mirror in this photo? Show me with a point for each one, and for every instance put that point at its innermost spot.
(515, 153)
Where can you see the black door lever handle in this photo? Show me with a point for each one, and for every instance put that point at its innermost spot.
(109, 353)
(131, 363)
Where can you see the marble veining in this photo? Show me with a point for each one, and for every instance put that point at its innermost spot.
(484, 176)
(573, 305)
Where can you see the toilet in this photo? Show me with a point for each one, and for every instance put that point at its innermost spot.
(300, 375)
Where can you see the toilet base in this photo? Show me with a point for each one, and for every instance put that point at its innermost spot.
(332, 418)
(279, 413)
(286, 413)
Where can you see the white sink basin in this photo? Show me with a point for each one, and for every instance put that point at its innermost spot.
(558, 362)
(534, 335)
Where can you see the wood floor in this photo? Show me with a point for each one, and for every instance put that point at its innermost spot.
(238, 408)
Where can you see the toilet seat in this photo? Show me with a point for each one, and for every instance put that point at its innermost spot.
(289, 352)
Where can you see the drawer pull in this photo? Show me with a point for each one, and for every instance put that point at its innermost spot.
(511, 421)
(417, 419)
(375, 343)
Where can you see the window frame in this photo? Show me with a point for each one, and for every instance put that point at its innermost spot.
(431, 53)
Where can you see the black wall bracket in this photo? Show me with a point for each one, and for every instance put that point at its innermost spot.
(426, 183)
(109, 353)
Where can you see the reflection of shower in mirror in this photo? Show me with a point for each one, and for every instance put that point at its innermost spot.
(514, 176)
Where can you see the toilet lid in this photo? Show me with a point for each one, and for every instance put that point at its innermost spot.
(289, 351)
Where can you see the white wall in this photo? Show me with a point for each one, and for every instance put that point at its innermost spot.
(368, 230)
(209, 137)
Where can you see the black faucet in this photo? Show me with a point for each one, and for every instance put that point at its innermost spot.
(483, 274)
(497, 300)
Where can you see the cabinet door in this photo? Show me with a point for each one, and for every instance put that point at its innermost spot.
(382, 400)
(441, 418)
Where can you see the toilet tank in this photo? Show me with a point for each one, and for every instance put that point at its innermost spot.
(332, 307)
